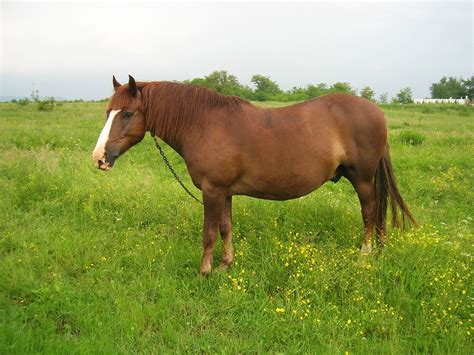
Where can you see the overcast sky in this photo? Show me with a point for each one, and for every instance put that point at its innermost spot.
(71, 50)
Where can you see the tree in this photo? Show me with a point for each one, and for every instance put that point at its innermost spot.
(197, 82)
(448, 88)
(367, 93)
(383, 98)
(404, 96)
(316, 91)
(223, 82)
(342, 87)
(469, 86)
(265, 88)
(295, 94)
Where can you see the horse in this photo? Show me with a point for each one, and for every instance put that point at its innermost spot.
(232, 147)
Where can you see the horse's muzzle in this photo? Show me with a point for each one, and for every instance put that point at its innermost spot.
(102, 165)
(106, 162)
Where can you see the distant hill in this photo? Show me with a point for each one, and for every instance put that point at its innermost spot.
(9, 98)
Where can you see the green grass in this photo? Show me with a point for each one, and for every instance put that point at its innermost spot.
(94, 262)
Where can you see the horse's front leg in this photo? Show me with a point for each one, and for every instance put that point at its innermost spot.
(214, 203)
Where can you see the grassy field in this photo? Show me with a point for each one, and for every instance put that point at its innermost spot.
(94, 262)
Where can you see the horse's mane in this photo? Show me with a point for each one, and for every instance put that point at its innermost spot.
(173, 108)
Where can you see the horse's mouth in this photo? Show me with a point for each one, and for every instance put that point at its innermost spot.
(103, 165)
(106, 162)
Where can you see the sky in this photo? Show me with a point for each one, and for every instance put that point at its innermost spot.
(71, 50)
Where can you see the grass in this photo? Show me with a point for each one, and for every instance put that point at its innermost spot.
(411, 137)
(94, 262)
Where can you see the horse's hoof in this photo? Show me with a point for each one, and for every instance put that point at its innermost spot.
(366, 249)
(205, 271)
(364, 256)
(222, 268)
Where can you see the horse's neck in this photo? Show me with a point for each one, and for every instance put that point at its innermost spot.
(178, 145)
(179, 139)
(172, 143)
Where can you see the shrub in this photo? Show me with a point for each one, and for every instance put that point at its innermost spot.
(428, 110)
(404, 96)
(368, 93)
(23, 102)
(411, 137)
(47, 104)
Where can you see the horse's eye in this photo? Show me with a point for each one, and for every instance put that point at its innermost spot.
(128, 114)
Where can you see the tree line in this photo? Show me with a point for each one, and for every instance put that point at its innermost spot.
(266, 89)
(452, 87)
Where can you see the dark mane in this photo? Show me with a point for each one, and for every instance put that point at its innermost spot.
(173, 108)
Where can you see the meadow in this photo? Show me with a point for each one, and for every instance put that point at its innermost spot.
(94, 262)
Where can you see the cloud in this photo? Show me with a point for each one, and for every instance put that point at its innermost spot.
(72, 49)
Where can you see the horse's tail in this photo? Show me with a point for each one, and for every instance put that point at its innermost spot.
(386, 191)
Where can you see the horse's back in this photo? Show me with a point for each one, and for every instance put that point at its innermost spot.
(330, 128)
(288, 152)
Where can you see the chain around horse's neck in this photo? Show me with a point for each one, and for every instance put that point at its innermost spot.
(178, 179)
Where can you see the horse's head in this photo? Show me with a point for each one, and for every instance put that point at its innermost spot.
(125, 125)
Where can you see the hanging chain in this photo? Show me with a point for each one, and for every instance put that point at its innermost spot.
(165, 159)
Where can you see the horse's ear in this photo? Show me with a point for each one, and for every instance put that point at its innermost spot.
(116, 83)
(132, 86)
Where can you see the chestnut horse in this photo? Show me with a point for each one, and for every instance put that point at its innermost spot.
(232, 147)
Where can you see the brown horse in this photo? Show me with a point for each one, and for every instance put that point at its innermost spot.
(232, 147)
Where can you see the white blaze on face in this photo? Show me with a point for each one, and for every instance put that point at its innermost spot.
(99, 150)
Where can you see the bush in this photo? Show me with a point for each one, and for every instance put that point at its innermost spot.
(411, 138)
(47, 104)
(404, 96)
(428, 110)
(22, 102)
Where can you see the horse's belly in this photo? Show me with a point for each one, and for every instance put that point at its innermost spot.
(295, 173)
(277, 187)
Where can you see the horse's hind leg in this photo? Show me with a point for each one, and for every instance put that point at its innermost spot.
(225, 227)
(366, 194)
